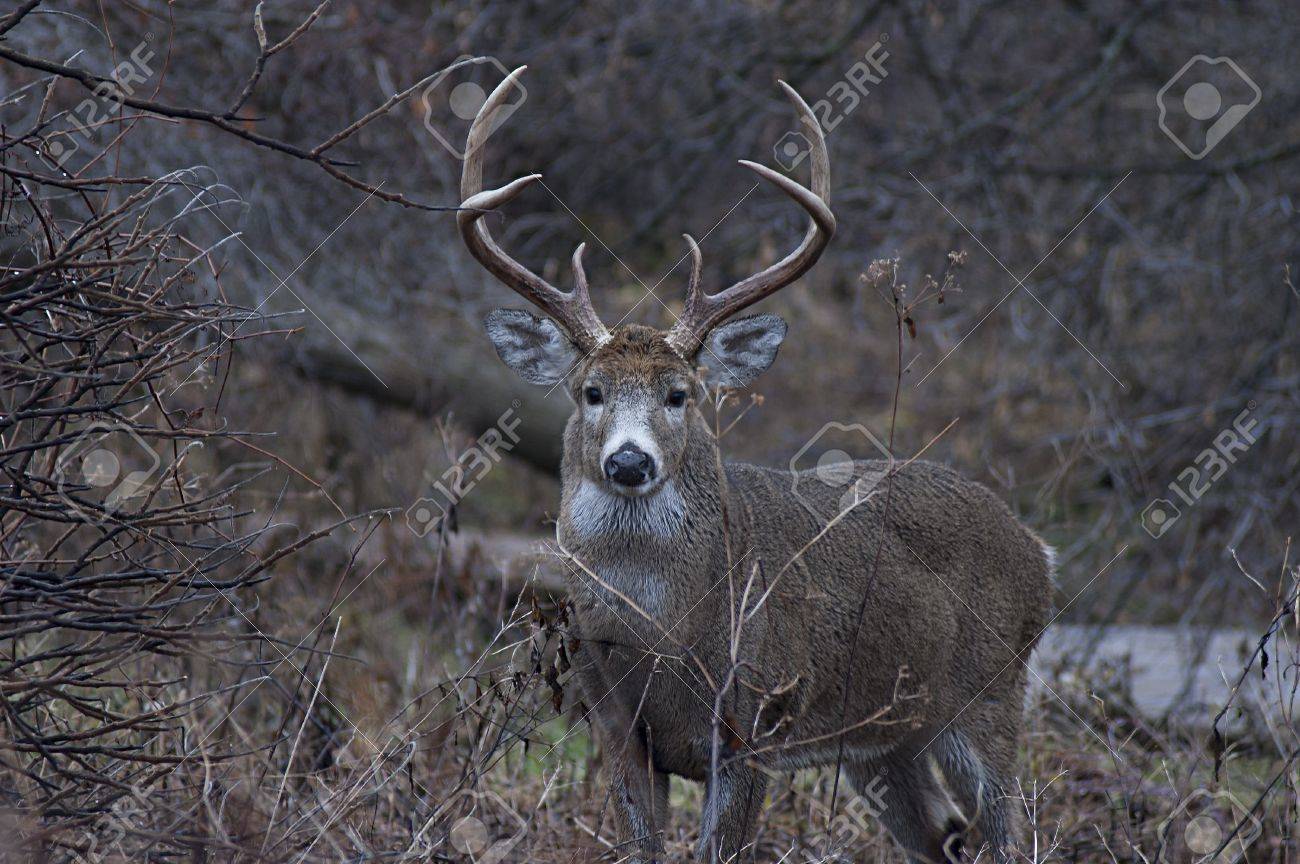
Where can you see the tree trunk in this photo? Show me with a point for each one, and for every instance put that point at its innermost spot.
(435, 376)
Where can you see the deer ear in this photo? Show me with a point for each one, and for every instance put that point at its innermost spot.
(739, 351)
(536, 348)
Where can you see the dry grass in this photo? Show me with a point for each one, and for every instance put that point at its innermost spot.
(416, 711)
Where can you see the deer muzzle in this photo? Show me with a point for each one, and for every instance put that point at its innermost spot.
(630, 466)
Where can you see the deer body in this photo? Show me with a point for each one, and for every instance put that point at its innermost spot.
(951, 563)
(727, 627)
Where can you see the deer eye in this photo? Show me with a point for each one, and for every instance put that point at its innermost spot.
(593, 395)
(676, 398)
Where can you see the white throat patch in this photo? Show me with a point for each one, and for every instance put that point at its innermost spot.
(594, 511)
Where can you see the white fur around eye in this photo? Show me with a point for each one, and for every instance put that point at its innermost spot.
(591, 413)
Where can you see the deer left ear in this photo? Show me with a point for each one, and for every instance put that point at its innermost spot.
(534, 347)
(739, 351)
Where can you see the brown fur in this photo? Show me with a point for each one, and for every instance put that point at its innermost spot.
(940, 562)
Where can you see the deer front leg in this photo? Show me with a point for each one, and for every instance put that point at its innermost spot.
(733, 798)
(640, 799)
(638, 792)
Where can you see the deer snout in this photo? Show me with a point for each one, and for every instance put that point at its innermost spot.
(629, 465)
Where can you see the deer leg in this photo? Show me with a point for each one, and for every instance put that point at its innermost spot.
(979, 779)
(911, 802)
(733, 798)
(640, 799)
(638, 791)
(978, 756)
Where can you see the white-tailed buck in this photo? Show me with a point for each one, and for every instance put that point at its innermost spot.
(726, 631)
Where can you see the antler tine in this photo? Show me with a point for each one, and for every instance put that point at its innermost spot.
(703, 311)
(572, 309)
(697, 264)
(580, 292)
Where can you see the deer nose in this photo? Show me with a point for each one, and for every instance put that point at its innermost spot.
(629, 466)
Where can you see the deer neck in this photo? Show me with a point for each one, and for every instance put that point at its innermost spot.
(642, 545)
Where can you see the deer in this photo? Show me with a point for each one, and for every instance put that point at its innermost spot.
(889, 640)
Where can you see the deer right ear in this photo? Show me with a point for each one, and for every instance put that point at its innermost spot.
(536, 348)
(739, 351)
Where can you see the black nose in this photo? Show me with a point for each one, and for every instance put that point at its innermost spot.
(630, 466)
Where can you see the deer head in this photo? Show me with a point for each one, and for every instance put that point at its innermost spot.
(633, 386)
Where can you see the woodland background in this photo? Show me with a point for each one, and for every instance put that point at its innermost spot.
(263, 661)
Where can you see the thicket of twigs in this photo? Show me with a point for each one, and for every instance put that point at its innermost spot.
(205, 654)
(127, 563)
(130, 553)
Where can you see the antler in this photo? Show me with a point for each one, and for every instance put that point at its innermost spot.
(703, 311)
(571, 309)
